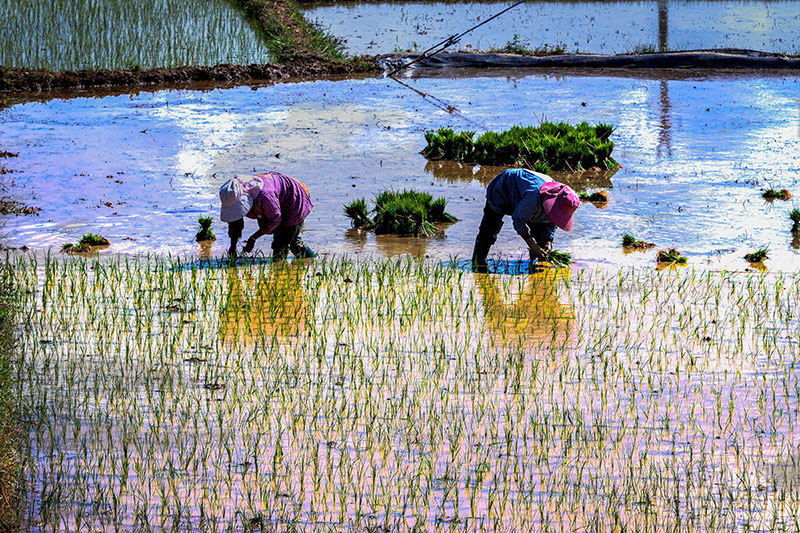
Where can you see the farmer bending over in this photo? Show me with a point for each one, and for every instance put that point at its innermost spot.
(279, 203)
(536, 203)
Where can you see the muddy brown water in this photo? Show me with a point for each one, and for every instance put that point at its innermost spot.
(140, 168)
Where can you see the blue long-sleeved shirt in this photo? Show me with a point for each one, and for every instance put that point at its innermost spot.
(515, 192)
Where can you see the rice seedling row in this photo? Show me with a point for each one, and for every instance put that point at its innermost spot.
(404, 395)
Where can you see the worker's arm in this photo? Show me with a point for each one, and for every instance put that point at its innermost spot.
(537, 252)
(264, 228)
(268, 211)
(235, 229)
(543, 235)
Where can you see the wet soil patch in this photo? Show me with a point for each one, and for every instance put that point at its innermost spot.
(599, 197)
(11, 207)
(772, 194)
(27, 80)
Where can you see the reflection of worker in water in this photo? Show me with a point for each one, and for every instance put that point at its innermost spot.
(264, 303)
(279, 203)
(536, 203)
(533, 312)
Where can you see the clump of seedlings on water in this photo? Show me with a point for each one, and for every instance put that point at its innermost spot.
(88, 243)
(400, 395)
(631, 242)
(757, 256)
(402, 213)
(670, 256)
(599, 197)
(205, 233)
(546, 148)
(794, 216)
(773, 194)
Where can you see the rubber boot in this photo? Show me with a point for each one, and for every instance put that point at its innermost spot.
(479, 254)
(305, 253)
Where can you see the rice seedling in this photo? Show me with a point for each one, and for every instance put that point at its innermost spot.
(401, 395)
(92, 34)
(671, 256)
(560, 259)
(88, 242)
(358, 213)
(773, 194)
(546, 148)
(9, 432)
(205, 233)
(402, 213)
(629, 241)
(794, 216)
(757, 256)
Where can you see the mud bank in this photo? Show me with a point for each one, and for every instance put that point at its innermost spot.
(691, 59)
(28, 80)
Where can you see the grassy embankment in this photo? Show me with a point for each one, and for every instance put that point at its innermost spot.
(298, 49)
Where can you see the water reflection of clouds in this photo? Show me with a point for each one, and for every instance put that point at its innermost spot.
(207, 132)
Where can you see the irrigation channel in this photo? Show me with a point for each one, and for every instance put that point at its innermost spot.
(696, 149)
(591, 27)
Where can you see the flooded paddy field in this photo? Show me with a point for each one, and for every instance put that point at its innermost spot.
(696, 152)
(592, 27)
(393, 395)
(142, 34)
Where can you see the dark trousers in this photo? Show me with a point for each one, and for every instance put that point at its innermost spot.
(286, 238)
(490, 226)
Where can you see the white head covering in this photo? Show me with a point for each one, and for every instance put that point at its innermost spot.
(237, 198)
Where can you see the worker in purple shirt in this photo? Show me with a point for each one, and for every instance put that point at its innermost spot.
(279, 203)
(536, 203)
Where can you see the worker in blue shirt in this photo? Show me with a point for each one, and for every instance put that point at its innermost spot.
(536, 204)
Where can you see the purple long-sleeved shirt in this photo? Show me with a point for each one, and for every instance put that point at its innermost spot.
(282, 201)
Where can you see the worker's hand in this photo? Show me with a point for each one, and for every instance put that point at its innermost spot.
(232, 252)
(548, 247)
(535, 250)
(249, 245)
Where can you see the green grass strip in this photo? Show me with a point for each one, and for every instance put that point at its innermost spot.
(285, 31)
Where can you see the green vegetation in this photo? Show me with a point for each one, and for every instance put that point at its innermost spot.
(85, 245)
(629, 241)
(389, 394)
(559, 259)
(757, 256)
(358, 212)
(281, 25)
(93, 34)
(516, 46)
(597, 196)
(9, 434)
(646, 49)
(671, 256)
(401, 213)
(205, 233)
(549, 147)
(773, 194)
(794, 216)
(90, 239)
